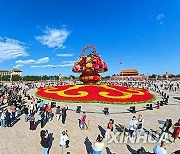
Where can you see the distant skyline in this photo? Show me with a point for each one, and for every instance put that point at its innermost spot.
(43, 37)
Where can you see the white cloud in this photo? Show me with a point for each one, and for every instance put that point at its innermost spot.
(42, 60)
(66, 65)
(11, 49)
(67, 62)
(18, 66)
(65, 55)
(52, 66)
(54, 38)
(38, 66)
(20, 63)
(160, 18)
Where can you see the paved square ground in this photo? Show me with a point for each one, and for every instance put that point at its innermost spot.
(20, 140)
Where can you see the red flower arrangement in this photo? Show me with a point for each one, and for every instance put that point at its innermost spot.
(90, 66)
(95, 93)
(91, 62)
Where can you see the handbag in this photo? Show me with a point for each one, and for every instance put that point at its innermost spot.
(139, 126)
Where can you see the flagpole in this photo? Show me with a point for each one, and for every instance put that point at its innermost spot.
(122, 74)
(121, 63)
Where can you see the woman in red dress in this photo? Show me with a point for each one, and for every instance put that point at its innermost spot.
(176, 130)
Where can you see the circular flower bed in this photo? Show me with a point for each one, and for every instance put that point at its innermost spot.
(95, 94)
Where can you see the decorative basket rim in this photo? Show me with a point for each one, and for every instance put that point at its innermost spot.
(88, 47)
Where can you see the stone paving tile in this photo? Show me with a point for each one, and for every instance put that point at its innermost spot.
(26, 142)
(4, 151)
(32, 150)
(11, 147)
(21, 149)
(2, 144)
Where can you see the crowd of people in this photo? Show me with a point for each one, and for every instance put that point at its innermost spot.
(13, 105)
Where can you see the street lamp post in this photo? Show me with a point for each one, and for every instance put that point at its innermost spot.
(40, 78)
(167, 76)
(59, 77)
(11, 76)
(54, 74)
(1, 78)
(156, 77)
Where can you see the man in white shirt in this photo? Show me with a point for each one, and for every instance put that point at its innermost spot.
(160, 149)
(31, 108)
(140, 123)
(132, 126)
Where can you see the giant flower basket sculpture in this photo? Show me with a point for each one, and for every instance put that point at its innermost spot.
(89, 66)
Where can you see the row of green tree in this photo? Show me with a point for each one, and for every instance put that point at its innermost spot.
(34, 78)
(39, 78)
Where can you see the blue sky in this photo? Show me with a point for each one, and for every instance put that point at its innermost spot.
(39, 34)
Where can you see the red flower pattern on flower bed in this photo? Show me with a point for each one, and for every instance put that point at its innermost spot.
(95, 93)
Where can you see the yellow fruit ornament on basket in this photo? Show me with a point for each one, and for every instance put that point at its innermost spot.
(89, 65)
